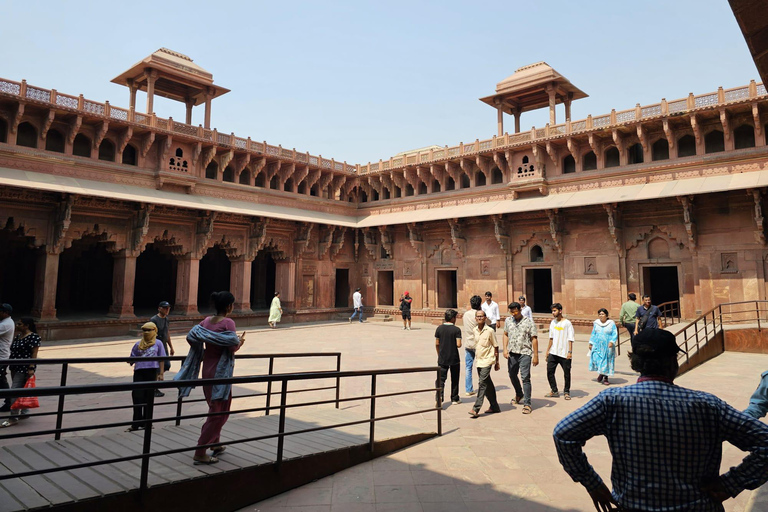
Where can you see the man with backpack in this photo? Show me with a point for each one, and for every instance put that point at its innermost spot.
(647, 316)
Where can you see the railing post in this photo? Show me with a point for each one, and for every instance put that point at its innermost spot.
(373, 411)
(281, 424)
(439, 408)
(147, 442)
(178, 410)
(757, 312)
(338, 380)
(269, 384)
(60, 409)
(696, 331)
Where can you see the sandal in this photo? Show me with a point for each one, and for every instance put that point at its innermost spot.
(209, 460)
(567, 396)
(553, 394)
(516, 400)
(8, 423)
(473, 413)
(219, 450)
(527, 409)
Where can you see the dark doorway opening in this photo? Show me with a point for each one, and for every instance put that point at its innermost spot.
(661, 283)
(17, 286)
(538, 286)
(155, 280)
(447, 289)
(85, 279)
(342, 287)
(263, 271)
(385, 291)
(214, 277)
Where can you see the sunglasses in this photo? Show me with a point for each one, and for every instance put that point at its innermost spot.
(148, 330)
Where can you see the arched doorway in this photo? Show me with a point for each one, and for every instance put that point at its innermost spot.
(17, 258)
(85, 279)
(155, 279)
(214, 276)
(263, 272)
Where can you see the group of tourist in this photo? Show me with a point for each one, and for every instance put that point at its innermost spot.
(24, 345)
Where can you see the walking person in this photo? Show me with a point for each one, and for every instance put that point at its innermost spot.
(646, 316)
(163, 334)
(559, 351)
(487, 350)
(214, 341)
(405, 310)
(275, 311)
(447, 344)
(7, 328)
(25, 346)
(627, 316)
(145, 371)
(666, 441)
(357, 303)
(526, 311)
(521, 350)
(602, 346)
(491, 309)
(470, 322)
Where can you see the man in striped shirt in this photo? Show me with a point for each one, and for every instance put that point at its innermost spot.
(666, 441)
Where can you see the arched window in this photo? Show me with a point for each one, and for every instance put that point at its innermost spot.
(81, 146)
(374, 195)
(245, 177)
(288, 185)
(302, 188)
(408, 190)
(686, 146)
(363, 197)
(436, 186)
(179, 153)
(26, 135)
(274, 184)
(589, 161)
(3, 130)
(744, 137)
(397, 192)
(130, 155)
(212, 171)
(260, 180)
(714, 142)
(496, 176)
(525, 159)
(464, 181)
(107, 150)
(537, 255)
(384, 193)
(449, 184)
(229, 174)
(660, 150)
(635, 154)
(54, 141)
(612, 158)
(479, 179)
(569, 164)
(423, 188)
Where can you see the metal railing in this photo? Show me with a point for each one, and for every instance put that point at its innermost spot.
(65, 364)
(146, 454)
(670, 315)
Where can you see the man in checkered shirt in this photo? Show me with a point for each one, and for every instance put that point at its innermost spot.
(666, 441)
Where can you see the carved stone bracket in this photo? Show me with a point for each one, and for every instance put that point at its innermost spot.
(369, 241)
(165, 150)
(47, 121)
(338, 242)
(257, 237)
(668, 134)
(757, 197)
(122, 142)
(204, 233)
(303, 238)
(696, 125)
(613, 229)
(256, 165)
(725, 120)
(336, 185)
(387, 241)
(619, 140)
(357, 245)
(458, 242)
(501, 162)
(101, 132)
(574, 149)
(485, 165)
(312, 178)
(170, 243)
(642, 134)
(16, 120)
(323, 182)
(208, 155)
(454, 171)
(240, 163)
(74, 129)
(229, 246)
(416, 238)
(61, 222)
(554, 229)
(146, 143)
(139, 229)
(326, 240)
(688, 220)
(554, 154)
(225, 159)
(757, 120)
(522, 242)
(433, 247)
(499, 230)
(300, 174)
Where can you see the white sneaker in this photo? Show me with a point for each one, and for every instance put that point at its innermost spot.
(404, 328)
(350, 320)
(457, 402)
(470, 393)
(408, 328)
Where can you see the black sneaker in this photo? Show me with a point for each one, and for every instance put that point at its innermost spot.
(159, 393)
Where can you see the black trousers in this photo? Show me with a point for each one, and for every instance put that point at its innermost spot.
(141, 397)
(485, 388)
(454, 369)
(4, 383)
(630, 327)
(565, 363)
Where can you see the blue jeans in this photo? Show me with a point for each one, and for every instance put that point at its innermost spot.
(469, 360)
(360, 311)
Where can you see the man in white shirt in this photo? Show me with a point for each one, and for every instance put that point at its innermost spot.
(525, 310)
(357, 303)
(491, 310)
(559, 351)
(469, 341)
(7, 328)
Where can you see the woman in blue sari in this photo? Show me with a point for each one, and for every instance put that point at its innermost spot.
(602, 346)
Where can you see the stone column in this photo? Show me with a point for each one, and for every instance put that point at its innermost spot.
(151, 77)
(208, 96)
(46, 280)
(190, 103)
(552, 102)
(500, 119)
(285, 282)
(567, 103)
(132, 100)
(240, 283)
(123, 281)
(187, 277)
(517, 120)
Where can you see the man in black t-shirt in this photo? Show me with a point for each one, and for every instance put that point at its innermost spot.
(447, 344)
(161, 321)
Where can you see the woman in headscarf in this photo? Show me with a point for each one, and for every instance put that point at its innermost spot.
(148, 346)
(25, 346)
(214, 342)
(602, 346)
(275, 311)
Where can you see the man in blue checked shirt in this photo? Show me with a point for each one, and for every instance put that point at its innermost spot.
(666, 441)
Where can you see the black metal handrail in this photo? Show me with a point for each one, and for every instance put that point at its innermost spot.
(283, 379)
(670, 311)
(66, 362)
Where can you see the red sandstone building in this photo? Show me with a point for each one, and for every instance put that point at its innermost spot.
(106, 211)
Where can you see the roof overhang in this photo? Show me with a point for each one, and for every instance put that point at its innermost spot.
(752, 16)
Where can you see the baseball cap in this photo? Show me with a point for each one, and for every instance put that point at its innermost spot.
(6, 308)
(405, 293)
(656, 343)
(164, 304)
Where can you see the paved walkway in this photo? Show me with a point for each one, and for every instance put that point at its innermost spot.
(506, 461)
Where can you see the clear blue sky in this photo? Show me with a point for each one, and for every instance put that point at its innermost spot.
(363, 80)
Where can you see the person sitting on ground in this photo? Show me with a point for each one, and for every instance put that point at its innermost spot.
(145, 371)
(24, 346)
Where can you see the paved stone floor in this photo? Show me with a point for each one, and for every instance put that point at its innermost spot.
(505, 461)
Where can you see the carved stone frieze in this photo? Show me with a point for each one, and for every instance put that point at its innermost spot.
(416, 238)
(688, 220)
(303, 238)
(500, 231)
(613, 226)
(458, 242)
(757, 198)
(204, 232)
(139, 229)
(387, 241)
(369, 242)
(338, 242)
(326, 240)
(554, 229)
(257, 237)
